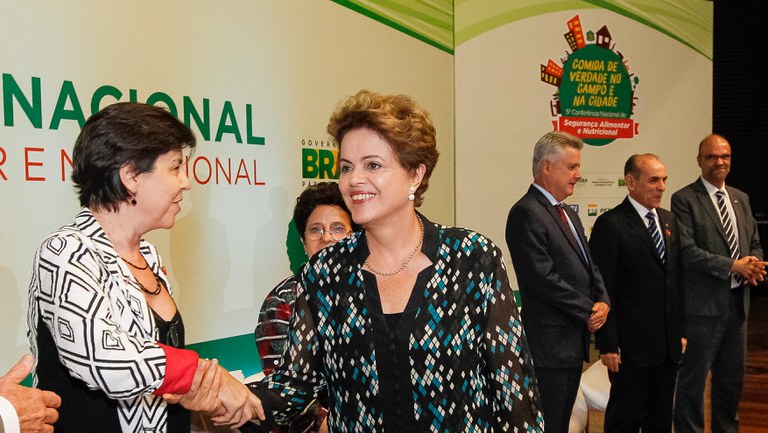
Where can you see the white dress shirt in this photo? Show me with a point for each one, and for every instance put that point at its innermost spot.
(9, 420)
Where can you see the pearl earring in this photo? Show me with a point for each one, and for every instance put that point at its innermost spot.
(412, 196)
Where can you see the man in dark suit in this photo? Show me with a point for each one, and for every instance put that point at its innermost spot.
(636, 246)
(562, 293)
(721, 254)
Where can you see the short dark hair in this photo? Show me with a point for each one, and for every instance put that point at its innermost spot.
(125, 133)
(321, 193)
(400, 121)
(632, 167)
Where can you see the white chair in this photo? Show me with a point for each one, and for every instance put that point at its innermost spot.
(594, 390)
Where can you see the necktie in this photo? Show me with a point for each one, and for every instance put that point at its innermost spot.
(658, 242)
(569, 232)
(730, 233)
(561, 211)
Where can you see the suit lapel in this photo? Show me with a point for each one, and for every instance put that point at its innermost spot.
(709, 207)
(637, 225)
(579, 232)
(741, 223)
(555, 215)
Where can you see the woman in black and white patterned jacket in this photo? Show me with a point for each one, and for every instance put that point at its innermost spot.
(102, 323)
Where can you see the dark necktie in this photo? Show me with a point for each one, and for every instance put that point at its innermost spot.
(658, 242)
(561, 211)
(568, 230)
(730, 233)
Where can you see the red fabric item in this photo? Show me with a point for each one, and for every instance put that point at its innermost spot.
(180, 365)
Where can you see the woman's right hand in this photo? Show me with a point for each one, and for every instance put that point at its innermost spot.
(241, 404)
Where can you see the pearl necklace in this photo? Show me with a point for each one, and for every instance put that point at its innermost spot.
(405, 263)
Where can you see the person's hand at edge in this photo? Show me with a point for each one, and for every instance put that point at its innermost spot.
(35, 408)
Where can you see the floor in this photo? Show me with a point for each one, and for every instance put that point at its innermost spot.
(753, 410)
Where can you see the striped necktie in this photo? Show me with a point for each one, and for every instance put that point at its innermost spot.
(658, 242)
(725, 219)
(730, 233)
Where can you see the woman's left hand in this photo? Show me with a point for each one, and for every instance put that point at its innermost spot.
(240, 403)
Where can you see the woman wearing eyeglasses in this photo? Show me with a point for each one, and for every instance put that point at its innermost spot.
(409, 325)
(322, 219)
(102, 323)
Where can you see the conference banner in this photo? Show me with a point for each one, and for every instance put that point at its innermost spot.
(626, 76)
(256, 81)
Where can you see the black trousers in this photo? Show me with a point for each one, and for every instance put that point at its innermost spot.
(641, 398)
(558, 388)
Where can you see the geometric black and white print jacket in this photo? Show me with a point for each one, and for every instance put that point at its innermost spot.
(100, 322)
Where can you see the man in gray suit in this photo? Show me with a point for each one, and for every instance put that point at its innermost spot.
(721, 256)
(562, 292)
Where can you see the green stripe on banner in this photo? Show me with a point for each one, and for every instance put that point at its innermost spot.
(446, 24)
(690, 22)
(683, 20)
(476, 17)
(429, 21)
(233, 353)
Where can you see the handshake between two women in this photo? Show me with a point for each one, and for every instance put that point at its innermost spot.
(219, 396)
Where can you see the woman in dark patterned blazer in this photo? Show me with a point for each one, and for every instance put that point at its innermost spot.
(322, 219)
(411, 326)
(102, 324)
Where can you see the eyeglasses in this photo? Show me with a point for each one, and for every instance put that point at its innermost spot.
(337, 232)
(711, 157)
(172, 336)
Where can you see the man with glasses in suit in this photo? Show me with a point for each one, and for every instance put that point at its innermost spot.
(722, 257)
